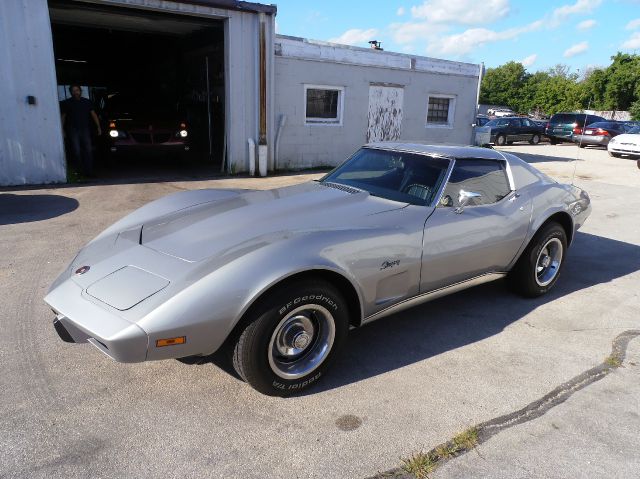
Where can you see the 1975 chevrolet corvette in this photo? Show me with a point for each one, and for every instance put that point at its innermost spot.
(280, 276)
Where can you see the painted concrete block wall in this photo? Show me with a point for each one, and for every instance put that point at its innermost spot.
(303, 146)
(31, 148)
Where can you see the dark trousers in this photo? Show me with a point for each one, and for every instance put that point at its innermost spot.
(81, 150)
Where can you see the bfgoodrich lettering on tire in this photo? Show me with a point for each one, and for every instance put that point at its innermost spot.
(539, 267)
(291, 338)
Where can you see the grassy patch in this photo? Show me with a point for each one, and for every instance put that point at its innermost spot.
(613, 361)
(466, 440)
(420, 464)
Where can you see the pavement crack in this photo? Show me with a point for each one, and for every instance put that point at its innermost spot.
(485, 430)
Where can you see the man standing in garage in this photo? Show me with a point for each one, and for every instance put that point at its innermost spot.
(77, 115)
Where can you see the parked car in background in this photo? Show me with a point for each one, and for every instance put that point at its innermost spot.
(599, 133)
(562, 126)
(627, 144)
(507, 130)
(482, 120)
(401, 224)
(503, 112)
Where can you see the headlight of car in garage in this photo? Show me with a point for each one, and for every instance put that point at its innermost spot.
(117, 134)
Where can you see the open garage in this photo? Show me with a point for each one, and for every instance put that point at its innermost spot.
(178, 88)
(156, 82)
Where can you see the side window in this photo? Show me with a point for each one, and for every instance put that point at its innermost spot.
(487, 177)
(526, 123)
(516, 123)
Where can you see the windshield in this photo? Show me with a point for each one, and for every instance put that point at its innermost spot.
(394, 175)
(129, 104)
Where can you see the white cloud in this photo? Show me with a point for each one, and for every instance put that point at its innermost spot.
(633, 42)
(411, 32)
(401, 11)
(463, 43)
(633, 24)
(469, 12)
(355, 36)
(576, 49)
(581, 7)
(530, 60)
(586, 24)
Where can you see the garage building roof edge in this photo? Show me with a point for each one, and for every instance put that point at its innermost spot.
(235, 5)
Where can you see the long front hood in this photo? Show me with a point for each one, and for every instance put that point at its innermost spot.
(254, 219)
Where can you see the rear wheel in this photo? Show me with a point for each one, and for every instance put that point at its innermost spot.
(539, 267)
(553, 141)
(501, 140)
(535, 139)
(291, 338)
(582, 145)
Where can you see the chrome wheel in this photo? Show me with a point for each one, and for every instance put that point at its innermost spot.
(301, 341)
(549, 261)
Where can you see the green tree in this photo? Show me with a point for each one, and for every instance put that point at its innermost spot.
(623, 82)
(503, 85)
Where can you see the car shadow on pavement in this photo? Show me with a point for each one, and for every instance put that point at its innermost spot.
(16, 209)
(470, 316)
(461, 319)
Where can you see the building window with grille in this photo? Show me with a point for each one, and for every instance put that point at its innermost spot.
(323, 105)
(440, 111)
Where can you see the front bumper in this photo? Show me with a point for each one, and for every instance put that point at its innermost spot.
(83, 321)
(624, 149)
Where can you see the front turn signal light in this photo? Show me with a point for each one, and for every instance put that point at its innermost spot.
(170, 341)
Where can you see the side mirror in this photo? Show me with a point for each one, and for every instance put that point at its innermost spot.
(464, 198)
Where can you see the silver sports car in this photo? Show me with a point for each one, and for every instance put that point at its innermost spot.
(278, 277)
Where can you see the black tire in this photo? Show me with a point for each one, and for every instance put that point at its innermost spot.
(501, 140)
(582, 145)
(272, 324)
(535, 139)
(553, 141)
(525, 278)
(615, 155)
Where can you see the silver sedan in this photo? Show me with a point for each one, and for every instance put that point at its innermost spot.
(278, 277)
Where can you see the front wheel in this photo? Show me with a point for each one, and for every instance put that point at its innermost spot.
(538, 269)
(615, 155)
(553, 141)
(501, 140)
(291, 338)
(535, 139)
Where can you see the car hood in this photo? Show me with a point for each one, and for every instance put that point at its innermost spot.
(633, 139)
(258, 218)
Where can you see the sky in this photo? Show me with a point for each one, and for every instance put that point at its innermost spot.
(539, 33)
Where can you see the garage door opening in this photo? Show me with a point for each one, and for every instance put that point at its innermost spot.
(156, 81)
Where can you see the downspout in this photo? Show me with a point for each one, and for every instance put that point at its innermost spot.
(252, 157)
(262, 135)
(276, 147)
(475, 115)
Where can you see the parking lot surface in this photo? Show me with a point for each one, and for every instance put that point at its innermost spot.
(405, 383)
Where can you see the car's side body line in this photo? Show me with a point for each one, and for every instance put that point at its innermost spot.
(435, 294)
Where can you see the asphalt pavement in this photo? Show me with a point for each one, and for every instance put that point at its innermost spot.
(404, 384)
